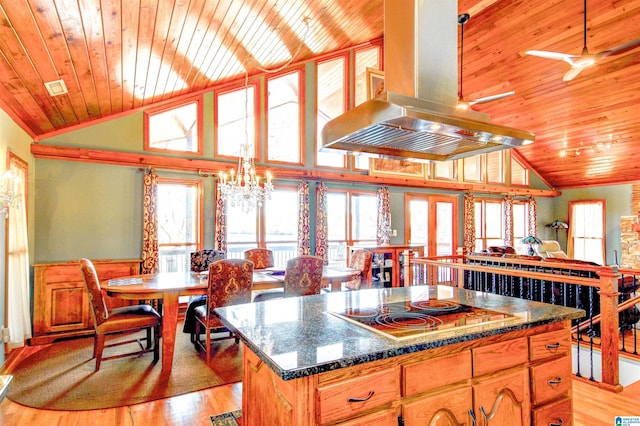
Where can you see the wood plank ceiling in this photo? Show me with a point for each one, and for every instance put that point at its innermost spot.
(116, 56)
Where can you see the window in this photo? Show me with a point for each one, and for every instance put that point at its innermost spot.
(179, 222)
(519, 173)
(364, 58)
(520, 225)
(331, 98)
(472, 168)
(176, 128)
(434, 216)
(444, 170)
(235, 121)
(352, 220)
(284, 118)
(489, 220)
(586, 230)
(495, 166)
(274, 225)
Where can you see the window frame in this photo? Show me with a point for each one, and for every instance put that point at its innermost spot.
(525, 170)
(301, 116)
(238, 86)
(346, 102)
(199, 185)
(570, 231)
(483, 237)
(349, 220)
(260, 218)
(198, 100)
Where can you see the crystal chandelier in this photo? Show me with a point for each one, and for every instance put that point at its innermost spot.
(243, 187)
(8, 192)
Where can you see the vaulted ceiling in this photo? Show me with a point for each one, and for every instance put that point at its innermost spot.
(116, 56)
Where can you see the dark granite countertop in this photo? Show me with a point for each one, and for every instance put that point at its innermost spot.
(301, 336)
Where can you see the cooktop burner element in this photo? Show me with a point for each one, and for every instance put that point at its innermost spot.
(404, 320)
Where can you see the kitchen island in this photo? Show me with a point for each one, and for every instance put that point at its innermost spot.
(445, 356)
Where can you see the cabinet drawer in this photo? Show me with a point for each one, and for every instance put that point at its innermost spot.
(388, 417)
(556, 413)
(548, 345)
(498, 356)
(433, 373)
(551, 380)
(350, 397)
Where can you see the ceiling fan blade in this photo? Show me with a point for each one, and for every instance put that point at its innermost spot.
(619, 49)
(552, 55)
(491, 98)
(572, 73)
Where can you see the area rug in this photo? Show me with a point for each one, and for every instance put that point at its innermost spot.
(62, 376)
(230, 418)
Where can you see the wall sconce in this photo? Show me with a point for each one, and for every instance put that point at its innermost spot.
(9, 195)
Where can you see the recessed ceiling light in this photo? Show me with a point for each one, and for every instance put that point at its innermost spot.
(56, 88)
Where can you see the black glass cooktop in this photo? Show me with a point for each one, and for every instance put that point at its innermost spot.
(404, 320)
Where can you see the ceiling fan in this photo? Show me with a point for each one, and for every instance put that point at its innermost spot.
(462, 104)
(585, 59)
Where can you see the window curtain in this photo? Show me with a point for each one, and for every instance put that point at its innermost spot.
(533, 216)
(150, 223)
(508, 220)
(469, 231)
(220, 224)
(18, 300)
(304, 227)
(383, 234)
(322, 226)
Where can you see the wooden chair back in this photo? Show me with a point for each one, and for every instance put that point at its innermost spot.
(303, 276)
(261, 258)
(201, 259)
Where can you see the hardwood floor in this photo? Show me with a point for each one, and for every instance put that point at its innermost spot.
(189, 409)
(591, 407)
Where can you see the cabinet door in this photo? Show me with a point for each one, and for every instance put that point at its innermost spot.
(450, 408)
(503, 399)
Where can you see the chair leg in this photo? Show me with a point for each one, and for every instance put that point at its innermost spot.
(148, 338)
(156, 343)
(208, 340)
(98, 348)
(196, 336)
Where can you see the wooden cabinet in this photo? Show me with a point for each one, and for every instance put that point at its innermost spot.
(498, 380)
(390, 264)
(61, 306)
(551, 377)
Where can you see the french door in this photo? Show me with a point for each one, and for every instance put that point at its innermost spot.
(432, 221)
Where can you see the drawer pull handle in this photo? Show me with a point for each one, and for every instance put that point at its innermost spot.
(366, 398)
(473, 416)
(560, 422)
(556, 381)
(553, 346)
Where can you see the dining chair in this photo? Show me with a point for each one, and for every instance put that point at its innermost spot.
(230, 283)
(201, 259)
(302, 277)
(261, 258)
(118, 320)
(361, 260)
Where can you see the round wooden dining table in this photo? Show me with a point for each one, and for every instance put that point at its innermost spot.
(168, 287)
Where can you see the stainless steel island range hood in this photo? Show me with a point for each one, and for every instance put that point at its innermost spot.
(416, 117)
